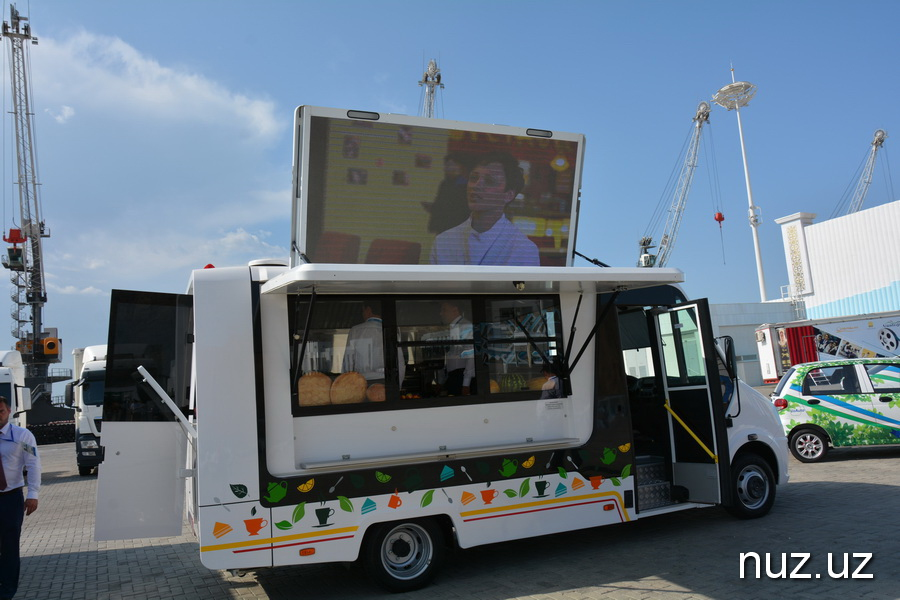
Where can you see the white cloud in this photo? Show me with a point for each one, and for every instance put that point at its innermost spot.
(108, 75)
(71, 290)
(63, 114)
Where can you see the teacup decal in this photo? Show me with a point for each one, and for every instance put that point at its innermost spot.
(277, 491)
(255, 525)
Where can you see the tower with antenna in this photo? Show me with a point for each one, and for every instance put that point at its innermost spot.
(431, 80)
(735, 96)
(39, 347)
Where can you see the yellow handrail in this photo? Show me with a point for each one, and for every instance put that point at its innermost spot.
(692, 434)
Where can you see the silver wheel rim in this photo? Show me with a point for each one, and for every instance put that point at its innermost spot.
(809, 446)
(406, 551)
(752, 487)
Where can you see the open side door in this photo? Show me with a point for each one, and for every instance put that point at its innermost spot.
(688, 366)
(140, 492)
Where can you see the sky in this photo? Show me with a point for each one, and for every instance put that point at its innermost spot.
(163, 129)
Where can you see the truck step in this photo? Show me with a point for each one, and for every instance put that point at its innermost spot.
(650, 469)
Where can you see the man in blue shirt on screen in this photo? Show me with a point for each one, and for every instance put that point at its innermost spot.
(488, 237)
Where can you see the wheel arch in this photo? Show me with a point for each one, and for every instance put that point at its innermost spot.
(817, 428)
(762, 450)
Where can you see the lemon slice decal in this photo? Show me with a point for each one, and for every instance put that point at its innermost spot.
(305, 487)
(527, 464)
(382, 477)
(625, 447)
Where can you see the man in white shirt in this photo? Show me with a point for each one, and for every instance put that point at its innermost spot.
(459, 362)
(365, 346)
(18, 452)
(488, 237)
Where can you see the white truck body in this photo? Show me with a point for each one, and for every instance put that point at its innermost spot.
(270, 483)
(12, 384)
(87, 400)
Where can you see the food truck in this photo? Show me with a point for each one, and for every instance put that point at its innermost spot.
(372, 401)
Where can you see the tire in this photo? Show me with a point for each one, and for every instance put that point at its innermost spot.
(404, 555)
(753, 485)
(808, 445)
(85, 471)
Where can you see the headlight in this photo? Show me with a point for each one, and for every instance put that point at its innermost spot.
(89, 444)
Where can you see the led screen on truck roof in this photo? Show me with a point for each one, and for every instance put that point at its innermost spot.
(390, 189)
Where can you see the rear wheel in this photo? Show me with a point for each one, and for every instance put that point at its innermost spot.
(808, 445)
(753, 485)
(403, 556)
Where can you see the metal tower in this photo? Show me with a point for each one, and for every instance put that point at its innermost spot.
(24, 257)
(676, 211)
(862, 187)
(734, 96)
(431, 79)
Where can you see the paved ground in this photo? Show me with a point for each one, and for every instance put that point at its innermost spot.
(847, 505)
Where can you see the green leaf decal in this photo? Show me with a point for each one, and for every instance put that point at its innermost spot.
(563, 473)
(510, 493)
(626, 471)
(615, 480)
(345, 503)
(524, 488)
(238, 490)
(427, 498)
(253, 511)
(299, 511)
(284, 525)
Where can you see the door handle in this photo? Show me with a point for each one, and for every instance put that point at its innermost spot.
(813, 401)
(885, 399)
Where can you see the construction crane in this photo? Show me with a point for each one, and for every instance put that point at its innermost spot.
(862, 186)
(39, 347)
(431, 80)
(676, 210)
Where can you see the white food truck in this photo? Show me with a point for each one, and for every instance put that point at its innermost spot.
(384, 403)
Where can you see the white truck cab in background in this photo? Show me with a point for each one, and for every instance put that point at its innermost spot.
(85, 395)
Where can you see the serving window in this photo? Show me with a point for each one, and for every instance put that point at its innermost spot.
(352, 354)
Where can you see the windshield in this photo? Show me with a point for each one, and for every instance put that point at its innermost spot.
(783, 382)
(92, 388)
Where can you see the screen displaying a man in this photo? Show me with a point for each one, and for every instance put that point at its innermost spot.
(488, 237)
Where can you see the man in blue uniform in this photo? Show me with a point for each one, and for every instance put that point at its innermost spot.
(18, 453)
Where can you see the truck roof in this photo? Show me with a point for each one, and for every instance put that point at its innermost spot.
(427, 279)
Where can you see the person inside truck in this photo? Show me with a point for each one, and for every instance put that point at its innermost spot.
(365, 345)
(459, 360)
(488, 237)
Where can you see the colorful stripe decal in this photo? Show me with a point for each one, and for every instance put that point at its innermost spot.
(551, 504)
(284, 538)
(846, 410)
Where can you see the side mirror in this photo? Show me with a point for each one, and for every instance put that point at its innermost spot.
(726, 342)
(69, 397)
(23, 398)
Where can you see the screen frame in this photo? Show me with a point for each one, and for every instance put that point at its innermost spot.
(300, 238)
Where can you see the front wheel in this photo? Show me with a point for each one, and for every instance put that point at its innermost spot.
(403, 556)
(753, 485)
(808, 446)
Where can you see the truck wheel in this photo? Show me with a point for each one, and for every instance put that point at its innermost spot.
(808, 445)
(754, 487)
(403, 556)
(85, 471)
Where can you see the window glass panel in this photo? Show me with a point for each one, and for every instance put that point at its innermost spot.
(343, 360)
(516, 338)
(885, 378)
(438, 338)
(831, 380)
